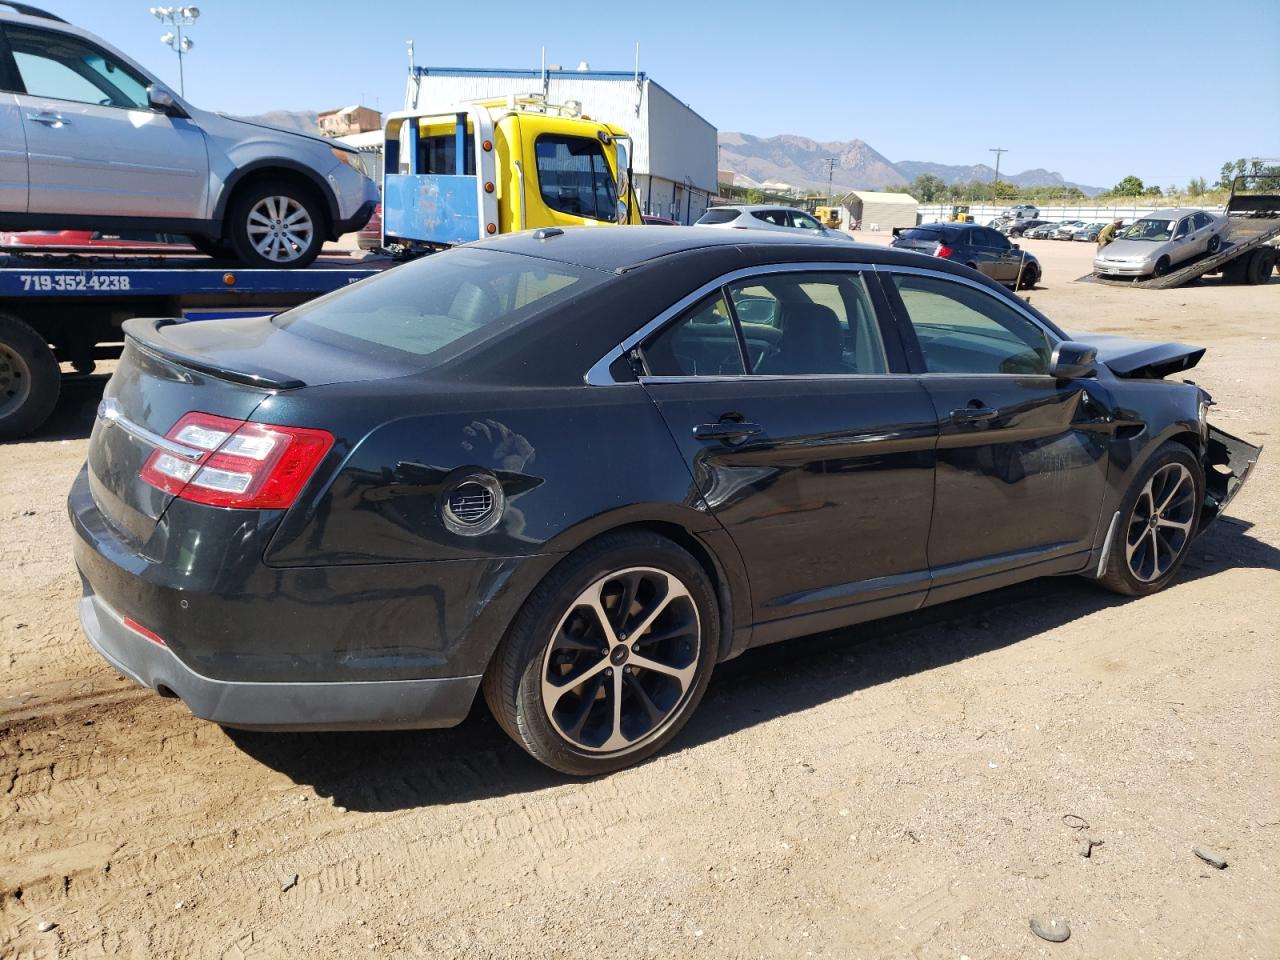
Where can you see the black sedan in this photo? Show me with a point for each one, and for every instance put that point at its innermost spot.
(984, 249)
(576, 469)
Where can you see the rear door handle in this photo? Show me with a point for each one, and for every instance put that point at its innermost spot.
(727, 431)
(974, 414)
(49, 119)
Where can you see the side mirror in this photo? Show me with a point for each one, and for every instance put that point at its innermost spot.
(1017, 246)
(1073, 361)
(158, 98)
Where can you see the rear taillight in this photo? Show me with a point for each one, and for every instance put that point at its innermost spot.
(943, 251)
(250, 465)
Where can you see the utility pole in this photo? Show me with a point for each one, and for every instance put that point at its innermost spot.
(179, 17)
(997, 151)
(831, 169)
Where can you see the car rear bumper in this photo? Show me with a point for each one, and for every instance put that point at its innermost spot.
(358, 705)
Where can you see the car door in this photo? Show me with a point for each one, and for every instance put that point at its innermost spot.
(13, 156)
(1022, 457)
(802, 221)
(814, 455)
(1183, 245)
(95, 145)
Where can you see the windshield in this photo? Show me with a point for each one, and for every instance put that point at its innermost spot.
(1150, 230)
(931, 236)
(429, 310)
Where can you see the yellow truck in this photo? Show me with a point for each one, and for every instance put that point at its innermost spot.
(829, 217)
(497, 166)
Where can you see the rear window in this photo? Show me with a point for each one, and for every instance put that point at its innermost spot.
(922, 233)
(427, 311)
(718, 216)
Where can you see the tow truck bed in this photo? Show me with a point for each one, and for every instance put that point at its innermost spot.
(60, 308)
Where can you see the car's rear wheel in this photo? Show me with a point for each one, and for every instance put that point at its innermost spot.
(1161, 267)
(276, 224)
(1215, 242)
(30, 380)
(1030, 277)
(609, 657)
(1158, 519)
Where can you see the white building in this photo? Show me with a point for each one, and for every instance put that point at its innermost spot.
(674, 149)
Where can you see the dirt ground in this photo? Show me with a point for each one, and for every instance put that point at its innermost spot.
(904, 789)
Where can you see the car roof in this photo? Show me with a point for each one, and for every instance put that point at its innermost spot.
(1176, 213)
(619, 250)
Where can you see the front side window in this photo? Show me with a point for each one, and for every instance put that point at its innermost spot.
(804, 221)
(964, 330)
(1184, 227)
(574, 177)
(701, 342)
(62, 67)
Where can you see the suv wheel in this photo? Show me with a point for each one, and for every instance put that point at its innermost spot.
(609, 657)
(276, 224)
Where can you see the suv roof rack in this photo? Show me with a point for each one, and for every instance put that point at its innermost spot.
(29, 11)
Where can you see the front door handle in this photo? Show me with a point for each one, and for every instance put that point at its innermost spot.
(974, 414)
(727, 431)
(49, 119)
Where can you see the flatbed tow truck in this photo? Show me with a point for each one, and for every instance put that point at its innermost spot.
(59, 308)
(1249, 255)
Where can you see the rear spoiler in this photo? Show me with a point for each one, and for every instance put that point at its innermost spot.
(146, 334)
(1142, 359)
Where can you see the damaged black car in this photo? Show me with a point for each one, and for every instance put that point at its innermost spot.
(576, 469)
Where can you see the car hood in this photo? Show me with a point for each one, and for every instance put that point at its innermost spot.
(1134, 249)
(233, 123)
(1141, 359)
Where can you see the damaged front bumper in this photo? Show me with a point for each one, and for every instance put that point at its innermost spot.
(1228, 463)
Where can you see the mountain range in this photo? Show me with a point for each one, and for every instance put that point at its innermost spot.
(802, 162)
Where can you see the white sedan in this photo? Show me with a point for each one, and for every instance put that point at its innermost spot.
(1160, 241)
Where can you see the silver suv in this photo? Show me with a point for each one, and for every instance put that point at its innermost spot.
(89, 139)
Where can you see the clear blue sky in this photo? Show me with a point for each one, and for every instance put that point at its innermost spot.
(1164, 89)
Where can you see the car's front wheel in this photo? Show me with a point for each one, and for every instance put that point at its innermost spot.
(1161, 267)
(276, 224)
(1157, 522)
(609, 657)
(1030, 277)
(1215, 242)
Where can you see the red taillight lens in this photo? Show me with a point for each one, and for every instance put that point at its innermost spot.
(943, 251)
(249, 465)
(142, 631)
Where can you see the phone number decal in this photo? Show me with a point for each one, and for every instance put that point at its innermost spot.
(73, 281)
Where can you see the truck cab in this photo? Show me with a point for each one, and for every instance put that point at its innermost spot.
(498, 166)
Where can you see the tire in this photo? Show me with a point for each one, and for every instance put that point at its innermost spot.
(1215, 243)
(1030, 277)
(30, 379)
(1161, 267)
(217, 249)
(1237, 270)
(276, 224)
(572, 726)
(1258, 267)
(1145, 556)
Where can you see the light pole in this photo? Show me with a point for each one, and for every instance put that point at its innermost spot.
(831, 169)
(179, 17)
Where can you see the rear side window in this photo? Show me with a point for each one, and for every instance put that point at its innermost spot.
(700, 343)
(963, 330)
(719, 216)
(574, 177)
(63, 67)
(426, 311)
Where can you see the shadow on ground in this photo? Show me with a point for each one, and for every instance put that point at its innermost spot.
(393, 771)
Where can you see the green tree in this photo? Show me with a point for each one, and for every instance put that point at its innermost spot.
(1224, 178)
(755, 195)
(1255, 167)
(1130, 186)
(1196, 186)
(1241, 166)
(927, 188)
(1153, 191)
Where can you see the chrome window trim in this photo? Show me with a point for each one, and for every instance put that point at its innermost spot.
(598, 375)
(109, 413)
